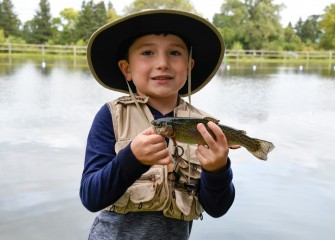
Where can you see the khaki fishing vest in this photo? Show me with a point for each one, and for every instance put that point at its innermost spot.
(171, 189)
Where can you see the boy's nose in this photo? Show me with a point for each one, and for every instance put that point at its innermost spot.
(162, 62)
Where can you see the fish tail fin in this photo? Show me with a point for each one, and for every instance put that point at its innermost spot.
(264, 148)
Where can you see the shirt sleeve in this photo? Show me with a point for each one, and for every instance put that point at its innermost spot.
(217, 191)
(106, 175)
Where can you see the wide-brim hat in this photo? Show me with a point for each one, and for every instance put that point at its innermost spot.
(105, 47)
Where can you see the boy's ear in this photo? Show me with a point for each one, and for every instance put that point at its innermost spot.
(192, 63)
(125, 68)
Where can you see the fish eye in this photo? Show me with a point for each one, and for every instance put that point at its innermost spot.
(161, 124)
(157, 123)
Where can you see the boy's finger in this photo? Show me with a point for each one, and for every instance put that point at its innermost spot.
(219, 135)
(208, 137)
(149, 131)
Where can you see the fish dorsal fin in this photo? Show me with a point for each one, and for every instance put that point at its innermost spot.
(243, 132)
(216, 121)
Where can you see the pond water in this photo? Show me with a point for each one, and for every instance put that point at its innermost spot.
(46, 113)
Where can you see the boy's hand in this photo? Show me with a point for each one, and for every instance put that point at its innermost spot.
(150, 148)
(212, 156)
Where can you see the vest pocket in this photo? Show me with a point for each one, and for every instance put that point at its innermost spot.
(148, 193)
(183, 205)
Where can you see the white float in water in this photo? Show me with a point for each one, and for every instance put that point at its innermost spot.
(228, 67)
(254, 68)
(301, 68)
(43, 65)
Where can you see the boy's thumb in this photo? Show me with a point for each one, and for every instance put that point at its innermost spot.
(149, 131)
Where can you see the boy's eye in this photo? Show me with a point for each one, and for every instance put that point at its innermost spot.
(147, 53)
(175, 53)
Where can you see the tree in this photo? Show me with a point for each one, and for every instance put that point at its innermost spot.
(291, 41)
(308, 31)
(91, 17)
(316, 32)
(39, 29)
(8, 19)
(233, 14)
(255, 22)
(2, 36)
(27, 32)
(111, 13)
(263, 26)
(139, 5)
(327, 25)
(67, 25)
(298, 27)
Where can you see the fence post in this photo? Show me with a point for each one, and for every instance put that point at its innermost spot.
(284, 55)
(74, 51)
(330, 59)
(10, 49)
(307, 56)
(74, 55)
(43, 50)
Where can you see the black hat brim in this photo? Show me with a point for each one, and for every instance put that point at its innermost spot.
(103, 51)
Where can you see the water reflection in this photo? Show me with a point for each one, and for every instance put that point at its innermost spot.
(262, 69)
(9, 65)
(45, 115)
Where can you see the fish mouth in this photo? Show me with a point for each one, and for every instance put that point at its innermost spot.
(161, 130)
(165, 131)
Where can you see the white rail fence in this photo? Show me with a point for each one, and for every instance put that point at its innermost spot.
(13, 48)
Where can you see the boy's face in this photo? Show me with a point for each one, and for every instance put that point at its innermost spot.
(157, 65)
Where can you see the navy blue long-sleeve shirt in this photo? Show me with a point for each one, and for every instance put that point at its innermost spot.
(107, 175)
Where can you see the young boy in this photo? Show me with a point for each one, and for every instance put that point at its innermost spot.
(145, 187)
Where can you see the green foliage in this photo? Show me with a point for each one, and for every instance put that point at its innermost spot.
(237, 46)
(273, 46)
(10, 38)
(292, 41)
(244, 24)
(91, 17)
(27, 32)
(139, 5)
(256, 22)
(39, 30)
(15, 39)
(80, 42)
(233, 13)
(8, 19)
(327, 25)
(67, 26)
(2, 35)
(111, 13)
(229, 36)
(308, 30)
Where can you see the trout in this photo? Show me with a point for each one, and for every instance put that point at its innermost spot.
(185, 130)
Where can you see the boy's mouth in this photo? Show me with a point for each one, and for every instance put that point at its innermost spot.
(163, 77)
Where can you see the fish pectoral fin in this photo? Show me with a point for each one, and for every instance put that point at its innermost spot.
(216, 121)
